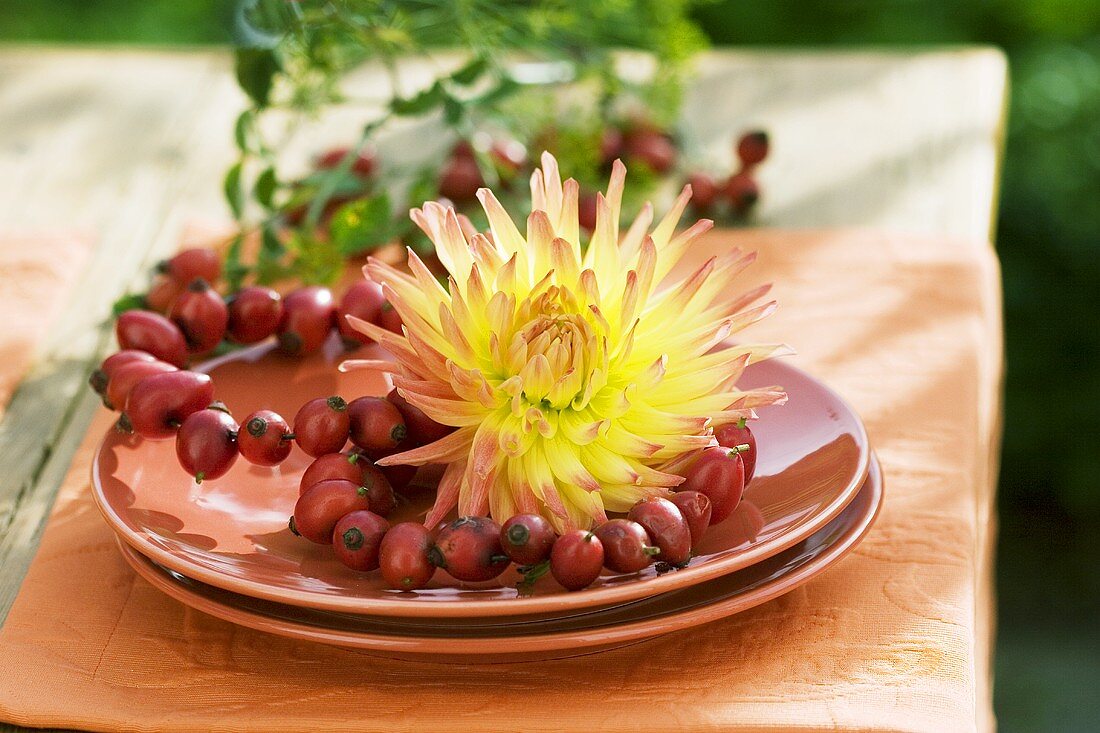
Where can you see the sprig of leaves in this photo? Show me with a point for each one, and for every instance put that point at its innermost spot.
(291, 56)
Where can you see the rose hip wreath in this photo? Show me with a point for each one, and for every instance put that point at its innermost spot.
(344, 496)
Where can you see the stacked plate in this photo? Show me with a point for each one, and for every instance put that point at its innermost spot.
(224, 547)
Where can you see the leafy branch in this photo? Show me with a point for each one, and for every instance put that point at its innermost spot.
(291, 57)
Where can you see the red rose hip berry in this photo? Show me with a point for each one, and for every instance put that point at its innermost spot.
(263, 439)
(389, 318)
(651, 147)
(611, 144)
(737, 435)
(126, 376)
(119, 358)
(101, 377)
(324, 504)
(460, 179)
(399, 476)
(666, 526)
(382, 499)
(577, 559)
(421, 428)
(206, 444)
(363, 300)
(254, 314)
(696, 508)
(308, 316)
(331, 466)
(742, 192)
(626, 545)
(362, 165)
(469, 549)
(704, 191)
(377, 425)
(158, 404)
(720, 474)
(357, 469)
(192, 264)
(752, 148)
(321, 425)
(404, 556)
(357, 538)
(152, 333)
(586, 211)
(527, 538)
(162, 293)
(201, 315)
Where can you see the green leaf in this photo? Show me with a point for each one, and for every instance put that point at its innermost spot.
(234, 269)
(264, 190)
(343, 184)
(269, 260)
(453, 110)
(128, 302)
(423, 102)
(425, 187)
(256, 69)
(418, 241)
(315, 261)
(499, 92)
(234, 195)
(531, 573)
(242, 130)
(471, 71)
(362, 225)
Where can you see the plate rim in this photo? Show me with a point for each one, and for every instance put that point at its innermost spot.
(688, 576)
(510, 646)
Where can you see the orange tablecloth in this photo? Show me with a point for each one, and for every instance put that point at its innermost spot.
(896, 637)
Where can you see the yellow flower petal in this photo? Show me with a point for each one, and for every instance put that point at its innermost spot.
(578, 384)
(446, 495)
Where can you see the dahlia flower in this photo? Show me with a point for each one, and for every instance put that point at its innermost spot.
(578, 379)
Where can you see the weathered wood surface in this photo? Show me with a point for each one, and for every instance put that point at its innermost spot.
(127, 146)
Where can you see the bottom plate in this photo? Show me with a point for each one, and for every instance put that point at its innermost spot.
(528, 639)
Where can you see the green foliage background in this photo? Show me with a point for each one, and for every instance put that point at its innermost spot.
(1049, 227)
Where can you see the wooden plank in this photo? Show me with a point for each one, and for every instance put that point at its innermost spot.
(126, 145)
(130, 145)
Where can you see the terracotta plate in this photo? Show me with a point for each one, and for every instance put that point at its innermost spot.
(471, 640)
(232, 533)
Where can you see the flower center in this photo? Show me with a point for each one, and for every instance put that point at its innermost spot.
(562, 353)
(557, 363)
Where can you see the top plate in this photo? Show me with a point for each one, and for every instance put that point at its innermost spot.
(232, 532)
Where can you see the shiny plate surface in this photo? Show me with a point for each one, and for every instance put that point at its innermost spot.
(232, 533)
(465, 640)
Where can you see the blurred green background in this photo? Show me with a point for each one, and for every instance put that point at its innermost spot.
(1048, 655)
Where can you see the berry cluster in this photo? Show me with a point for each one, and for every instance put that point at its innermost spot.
(160, 399)
(456, 182)
(636, 143)
(184, 315)
(344, 497)
(738, 193)
(506, 160)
